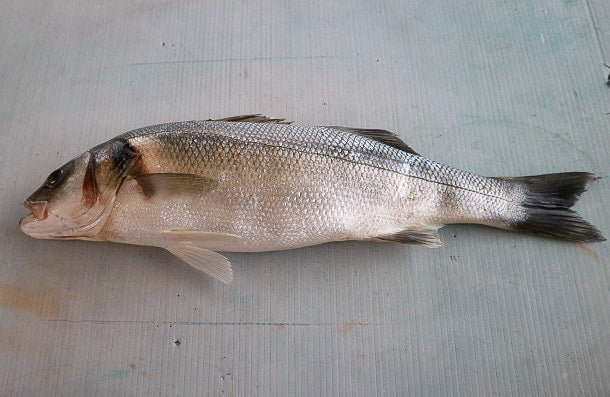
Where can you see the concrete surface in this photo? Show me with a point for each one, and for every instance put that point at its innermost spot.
(494, 87)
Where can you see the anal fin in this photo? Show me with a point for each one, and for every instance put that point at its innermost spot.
(426, 236)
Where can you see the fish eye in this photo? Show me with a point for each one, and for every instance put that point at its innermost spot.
(54, 178)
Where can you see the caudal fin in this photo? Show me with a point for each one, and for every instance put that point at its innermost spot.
(547, 199)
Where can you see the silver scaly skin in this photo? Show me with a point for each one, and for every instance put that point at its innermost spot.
(286, 186)
(250, 183)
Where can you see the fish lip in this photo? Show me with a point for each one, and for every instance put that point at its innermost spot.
(26, 223)
(26, 220)
(38, 208)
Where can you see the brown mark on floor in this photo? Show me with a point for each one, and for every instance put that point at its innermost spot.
(347, 327)
(18, 340)
(132, 366)
(24, 334)
(280, 328)
(40, 299)
(51, 268)
(588, 251)
(246, 75)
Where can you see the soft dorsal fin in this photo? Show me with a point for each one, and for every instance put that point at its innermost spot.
(383, 136)
(253, 118)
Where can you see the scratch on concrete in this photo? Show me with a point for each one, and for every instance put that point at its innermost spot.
(289, 58)
(595, 30)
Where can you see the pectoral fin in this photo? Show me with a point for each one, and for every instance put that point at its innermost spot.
(172, 184)
(209, 262)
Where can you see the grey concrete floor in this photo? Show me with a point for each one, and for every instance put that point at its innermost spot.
(493, 87)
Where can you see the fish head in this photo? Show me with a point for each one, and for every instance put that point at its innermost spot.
(75, 200)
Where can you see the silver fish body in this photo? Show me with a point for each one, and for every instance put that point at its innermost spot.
(256, 184)
(280, 186)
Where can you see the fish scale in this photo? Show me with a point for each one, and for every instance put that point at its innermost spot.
(316, 141)
(304, 180)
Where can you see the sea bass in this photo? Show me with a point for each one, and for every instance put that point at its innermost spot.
(251, 183)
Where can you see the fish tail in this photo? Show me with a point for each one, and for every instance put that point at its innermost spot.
(545, 202)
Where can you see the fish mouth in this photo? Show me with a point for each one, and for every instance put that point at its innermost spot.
(44, 225)
(38, 208)
(26, 220)
(28, 223)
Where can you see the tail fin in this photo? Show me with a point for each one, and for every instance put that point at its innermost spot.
(547, 199)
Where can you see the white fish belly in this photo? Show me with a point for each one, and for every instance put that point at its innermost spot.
(286, 207)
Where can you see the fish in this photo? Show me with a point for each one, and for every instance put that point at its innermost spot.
(252, 183)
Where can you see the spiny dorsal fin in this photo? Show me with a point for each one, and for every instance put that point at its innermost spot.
(426, 236)
(383, 136)
(253, 118)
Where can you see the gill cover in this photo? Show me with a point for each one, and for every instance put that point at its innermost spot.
(106, 169)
